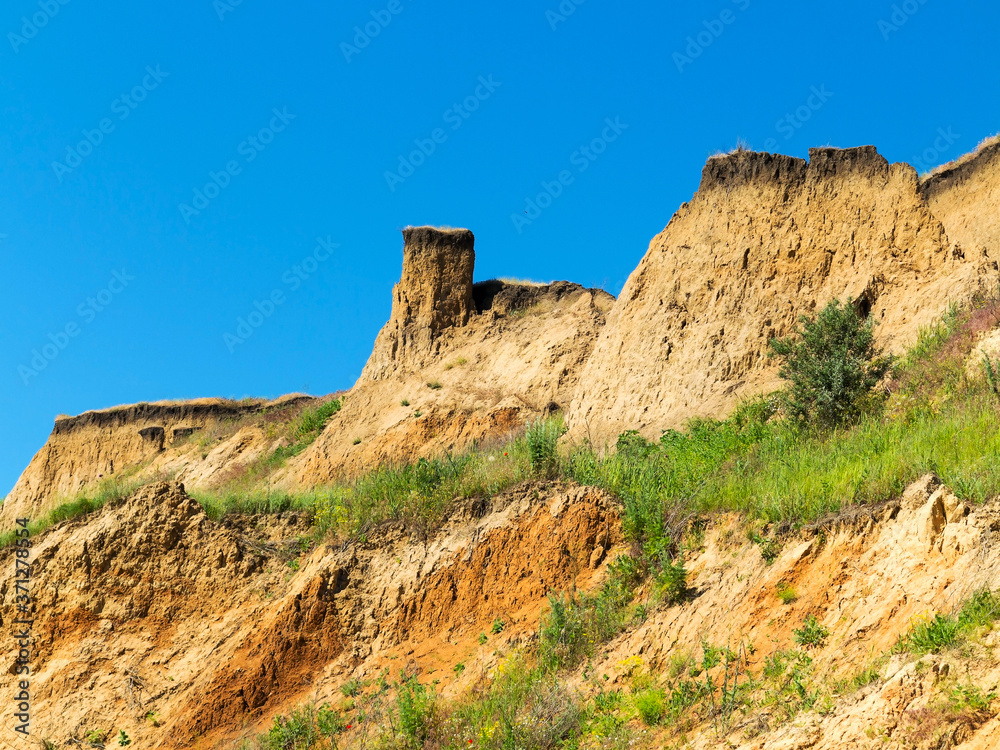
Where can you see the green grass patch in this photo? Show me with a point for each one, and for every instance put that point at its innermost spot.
(946, 631)
(576, 624)
(304, 430)
(110, 490)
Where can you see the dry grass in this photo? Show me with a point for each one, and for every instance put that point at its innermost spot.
(964, 159)
(513, 281)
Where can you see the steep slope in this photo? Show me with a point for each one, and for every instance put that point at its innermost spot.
(149, 608)
(457, 363)
(766, 239)
(867, 577)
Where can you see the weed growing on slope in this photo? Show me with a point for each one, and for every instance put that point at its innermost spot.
(811, 634)
(577, 623)
(304, 431)
(307, 727)
(542, 438)
(945, 631)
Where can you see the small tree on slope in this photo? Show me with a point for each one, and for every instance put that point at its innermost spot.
(833, 366)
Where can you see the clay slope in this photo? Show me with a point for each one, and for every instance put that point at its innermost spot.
(868, 578)
(457, 363)
(199, 442)
(766, 239)
(151, 607)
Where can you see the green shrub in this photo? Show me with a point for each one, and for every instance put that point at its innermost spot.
(415, 710)
(542, 438)
(292, 732)
(811, 633)
(938, 633)
(970, 697)
(769, 548)
(833, 366)
(351, 688)
(670, 575)
(650, 705)
(786, 593)
(305, 728)
(634, 445)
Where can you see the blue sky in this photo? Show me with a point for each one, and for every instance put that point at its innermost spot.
(167, 167)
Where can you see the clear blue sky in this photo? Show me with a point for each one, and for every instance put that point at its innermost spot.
(171, 92)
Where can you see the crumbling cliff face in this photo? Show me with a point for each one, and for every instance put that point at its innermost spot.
(150, 608)
(766, 239)
(457, 363)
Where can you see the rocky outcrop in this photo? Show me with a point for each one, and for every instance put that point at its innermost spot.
(766, 239)
(457, 363)
(433, 295)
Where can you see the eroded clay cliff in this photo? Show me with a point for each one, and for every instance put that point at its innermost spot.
(766, 239)
(457, 363)
(142, 439)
